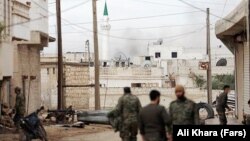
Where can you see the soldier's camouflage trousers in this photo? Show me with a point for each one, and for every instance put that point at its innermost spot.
(129, 131)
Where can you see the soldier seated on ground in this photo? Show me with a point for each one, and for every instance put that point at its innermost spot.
(6, 115)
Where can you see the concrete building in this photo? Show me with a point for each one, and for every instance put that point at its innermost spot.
(180, 65)
(161, 52)
(118, 77)
(24, 35)
(233, 31)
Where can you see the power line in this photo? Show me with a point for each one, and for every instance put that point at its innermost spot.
(137, 18)
(206, 12)
(164, 26)
(213, 3)
(139, 39)
(52, 14)
(65, 10)
(154, 27)
(139, 28)
(162, 4)
(117, 37)
(185, 35)
(224, 7)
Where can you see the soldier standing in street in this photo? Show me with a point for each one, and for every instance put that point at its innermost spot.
(182, 111)
(128, 108)
(19, 106)
(221, 105)
(153, 119)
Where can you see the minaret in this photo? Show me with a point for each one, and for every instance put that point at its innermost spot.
(105, 26)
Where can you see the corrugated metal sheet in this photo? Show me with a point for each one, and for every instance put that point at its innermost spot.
(246, 78)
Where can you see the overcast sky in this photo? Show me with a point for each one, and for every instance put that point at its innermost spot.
(135, 23)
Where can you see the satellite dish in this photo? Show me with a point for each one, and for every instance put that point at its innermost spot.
(222, 62)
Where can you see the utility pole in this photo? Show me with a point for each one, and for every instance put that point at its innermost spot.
(60, 57)
(97, 67)
(209, 74)
(248, 26)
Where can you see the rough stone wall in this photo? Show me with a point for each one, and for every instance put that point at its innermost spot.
(27, 63)
(76, 74)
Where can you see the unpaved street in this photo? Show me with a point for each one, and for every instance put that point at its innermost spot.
(102, 136)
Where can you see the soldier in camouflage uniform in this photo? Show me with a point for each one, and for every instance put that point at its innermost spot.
(19, 106)
(128, 108)
(221, 105)
(182, 111)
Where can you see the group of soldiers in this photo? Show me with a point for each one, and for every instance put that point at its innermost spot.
(154, 122)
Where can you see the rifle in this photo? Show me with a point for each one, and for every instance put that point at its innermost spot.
(62, 116)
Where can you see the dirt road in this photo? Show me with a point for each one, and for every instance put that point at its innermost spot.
(102, 136)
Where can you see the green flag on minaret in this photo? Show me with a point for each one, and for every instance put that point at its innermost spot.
(105, 13)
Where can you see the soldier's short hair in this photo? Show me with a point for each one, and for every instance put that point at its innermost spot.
(249, 101)
(127, 90)
(154, 94)
(226, 87)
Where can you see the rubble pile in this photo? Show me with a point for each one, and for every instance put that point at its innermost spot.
(6, 116)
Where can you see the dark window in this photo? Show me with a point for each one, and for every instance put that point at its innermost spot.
(123, 64)
(54, 70)
(174, 54)
(47, 70)
(147, 58)
(104, 64)
(136, 85)
(157, 55)
(117, 64)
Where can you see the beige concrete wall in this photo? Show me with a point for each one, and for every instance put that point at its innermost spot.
(49, 85)
(246, 77)
(27, 63)
(6, 59)
(239, 58)
(110, 96)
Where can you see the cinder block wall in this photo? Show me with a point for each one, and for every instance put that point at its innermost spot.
(78, 97)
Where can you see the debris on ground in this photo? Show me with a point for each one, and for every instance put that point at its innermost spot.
(6, 116)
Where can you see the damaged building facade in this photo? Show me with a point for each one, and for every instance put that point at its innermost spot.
(24, 34)
(233, 31)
